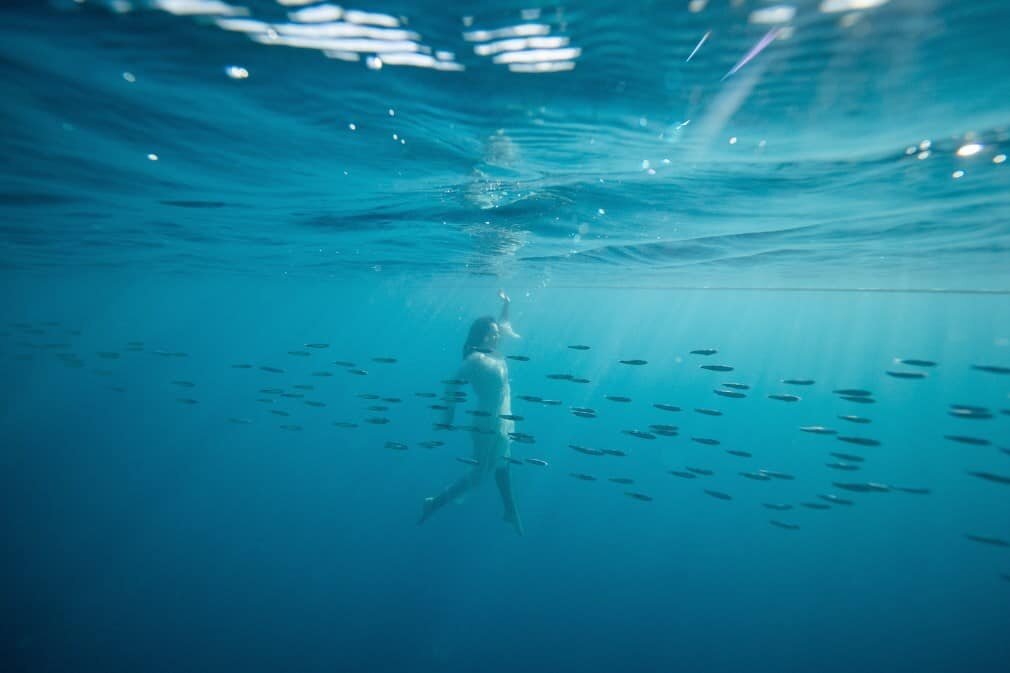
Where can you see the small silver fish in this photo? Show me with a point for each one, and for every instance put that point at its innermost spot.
(861, 441)
(852, 392)
(666, 407)
(964, 439)
(906, 375)
(912, 362)
(991, 369)
(784, 526)
(867, 487)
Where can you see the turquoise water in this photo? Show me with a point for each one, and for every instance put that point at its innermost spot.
(171, 227)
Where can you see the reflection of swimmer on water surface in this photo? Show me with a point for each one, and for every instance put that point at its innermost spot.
(485, 370)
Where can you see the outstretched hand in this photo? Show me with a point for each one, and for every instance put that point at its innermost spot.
(503, 322)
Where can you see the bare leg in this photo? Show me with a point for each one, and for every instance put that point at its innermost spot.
(453, 491)
(504, 480)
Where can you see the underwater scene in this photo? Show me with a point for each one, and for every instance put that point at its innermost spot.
(505, 336)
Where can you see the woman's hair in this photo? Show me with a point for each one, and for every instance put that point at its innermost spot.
(478, 331)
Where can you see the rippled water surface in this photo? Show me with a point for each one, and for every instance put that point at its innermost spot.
(843, 143)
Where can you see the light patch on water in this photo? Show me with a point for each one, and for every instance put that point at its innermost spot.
(521, 30)
(533, 68)
(343, 29)
(242, 25)
(317, 14)
(348, 56)
(420, 61)
(969, 150)
(236, 72)
(835, 6)
(371, 18)
(999, 158)
(359, 33)
(519, 44)
(772, 15)
(199, 8)
(361, 45)
(539, 55)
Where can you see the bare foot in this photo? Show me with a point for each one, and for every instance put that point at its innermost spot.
(427, 507)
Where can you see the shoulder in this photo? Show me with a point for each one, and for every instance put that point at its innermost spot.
(480, 362)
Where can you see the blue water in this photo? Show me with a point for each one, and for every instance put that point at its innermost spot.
(183, 194)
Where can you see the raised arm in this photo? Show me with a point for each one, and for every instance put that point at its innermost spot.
(504, 324)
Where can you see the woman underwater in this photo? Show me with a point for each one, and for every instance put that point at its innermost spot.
(485, 370)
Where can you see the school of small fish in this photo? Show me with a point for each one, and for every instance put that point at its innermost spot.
(380, 410)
